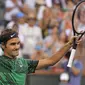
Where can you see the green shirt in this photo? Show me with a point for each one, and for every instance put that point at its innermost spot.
(13, 71)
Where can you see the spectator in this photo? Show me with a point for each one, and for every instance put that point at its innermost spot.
(64, 79)
(39, 53)
(70, 5)
(75, 72)
(39, 4)
(44, 22)
(12, 7)
(33, 34)
(51, 42)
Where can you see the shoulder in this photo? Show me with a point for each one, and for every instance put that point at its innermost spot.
(78, 64)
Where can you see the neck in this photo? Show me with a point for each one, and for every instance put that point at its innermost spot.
(11, 57)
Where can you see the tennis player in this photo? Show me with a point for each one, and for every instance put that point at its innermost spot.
(13, 70)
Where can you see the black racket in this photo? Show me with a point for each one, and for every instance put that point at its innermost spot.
(78, 26)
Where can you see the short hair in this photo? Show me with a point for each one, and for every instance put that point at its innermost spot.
(7, 34)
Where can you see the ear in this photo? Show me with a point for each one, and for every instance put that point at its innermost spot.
(2, 46)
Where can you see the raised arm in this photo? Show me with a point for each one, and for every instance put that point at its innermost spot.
(55, 57)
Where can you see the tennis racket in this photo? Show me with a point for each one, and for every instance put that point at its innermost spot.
(78, 26)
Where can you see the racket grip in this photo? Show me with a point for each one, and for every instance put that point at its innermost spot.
(71, 58)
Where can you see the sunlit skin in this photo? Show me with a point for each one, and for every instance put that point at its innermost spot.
(11, 49)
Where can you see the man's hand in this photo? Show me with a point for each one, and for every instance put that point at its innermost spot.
(76, 38)
(72, 39)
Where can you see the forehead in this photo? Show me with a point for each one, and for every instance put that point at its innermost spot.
(13, 40)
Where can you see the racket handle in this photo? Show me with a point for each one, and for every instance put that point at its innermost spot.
(71, 58)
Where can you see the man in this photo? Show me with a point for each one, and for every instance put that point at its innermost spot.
(10, 10)
(75, 72)
(32, 35)
(13, 70)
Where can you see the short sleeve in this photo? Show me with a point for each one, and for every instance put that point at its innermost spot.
(32, 64)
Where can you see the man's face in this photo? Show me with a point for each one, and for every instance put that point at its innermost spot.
(11, 49)
(21, 20)
(31, 19)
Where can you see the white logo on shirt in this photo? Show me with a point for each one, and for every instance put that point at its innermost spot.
(21, 65)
